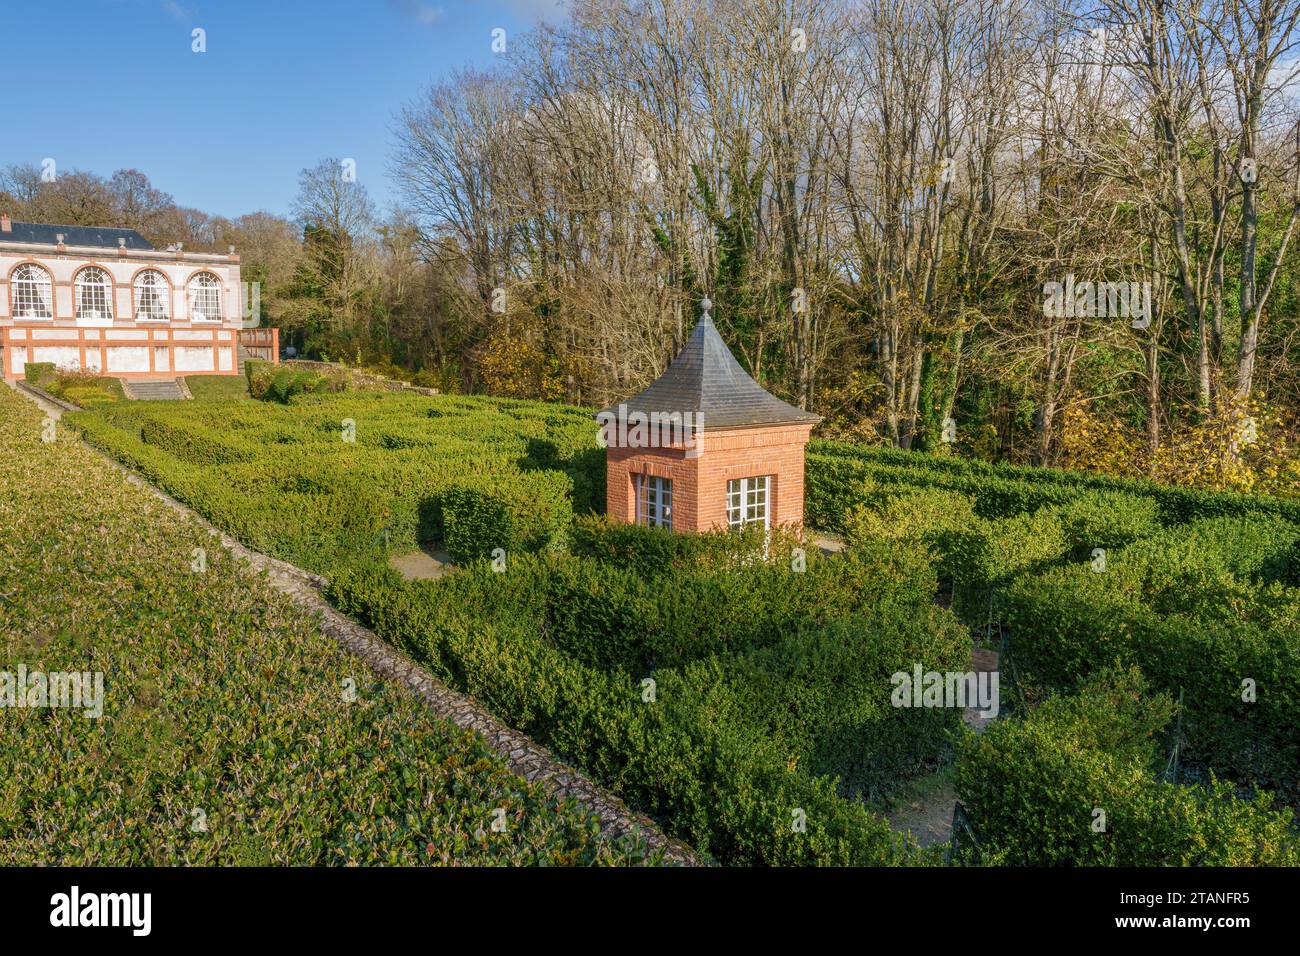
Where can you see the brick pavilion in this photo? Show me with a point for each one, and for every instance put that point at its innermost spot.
(705, 446)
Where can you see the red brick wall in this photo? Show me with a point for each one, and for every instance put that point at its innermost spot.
(700, 484)
(622, 463)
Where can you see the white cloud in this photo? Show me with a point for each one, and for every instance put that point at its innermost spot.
(423, 13)
(176, 10)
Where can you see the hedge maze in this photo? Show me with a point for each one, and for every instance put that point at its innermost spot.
(738, 689)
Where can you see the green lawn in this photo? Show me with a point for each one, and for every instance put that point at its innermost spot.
(229, 732)
(217, 388)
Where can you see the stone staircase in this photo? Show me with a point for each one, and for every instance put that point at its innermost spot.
(155, 389)
(241, 355)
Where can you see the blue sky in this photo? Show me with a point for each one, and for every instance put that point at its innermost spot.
(283, 84)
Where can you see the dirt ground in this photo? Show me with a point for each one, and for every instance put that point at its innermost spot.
(925, 809)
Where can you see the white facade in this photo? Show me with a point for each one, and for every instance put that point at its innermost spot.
(147, 313)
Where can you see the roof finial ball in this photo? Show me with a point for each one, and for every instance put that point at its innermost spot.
(705, 305)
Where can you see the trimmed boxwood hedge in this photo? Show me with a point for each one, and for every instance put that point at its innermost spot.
(1173, 607)
(999, 489)
(198, 446)
(1074, 783)
(529, 511)
(746, 726)
(977, 556)
(764, 674)
(610, 616)
(1106, 520)
(219, 696)
(282, 478)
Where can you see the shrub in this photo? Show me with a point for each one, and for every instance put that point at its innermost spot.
(219, 694)
(1106, 520)
(575, 454)
(976, 555)
(282, 383)
(920, 514)
(1033, 788)
(38, 373)
(1067, 623)
(982, 560)
(690, 757)
(613, 615)
(653, 551)
(258, 375)
(824, 693)
(269, 472)
(1000, 489)
(1256, 547)
(194, 443)
(528, 511)
(287, 382)
(88, 396)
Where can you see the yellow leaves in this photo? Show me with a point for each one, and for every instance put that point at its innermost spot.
(1242, 447)
(1093, 443)
(513, 367)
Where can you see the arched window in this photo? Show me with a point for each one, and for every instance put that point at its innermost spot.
(152, 296)
(94, 294)
(205, 298)
(33, 295)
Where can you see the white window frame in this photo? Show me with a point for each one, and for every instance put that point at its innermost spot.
(96, 284)
(749, 501)
(154, 282)
(33, 287)
(654, 501)
(208, 286)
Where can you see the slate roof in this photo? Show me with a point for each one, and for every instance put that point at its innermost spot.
(705, 378)
(101, 236)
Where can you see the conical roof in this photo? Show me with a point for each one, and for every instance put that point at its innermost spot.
(706, 379)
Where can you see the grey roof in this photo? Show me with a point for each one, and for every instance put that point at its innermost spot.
(706, 379)
(47, 234)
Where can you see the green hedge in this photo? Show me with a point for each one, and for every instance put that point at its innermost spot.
(1106, 520)
(835, 483)
(921, 514)
(612, 615)
(824, 692)
(722, 756)
(1033, 788)
(1002, 490)
(982, 560)
(529, 511)
(654, 551)
(195, 445)
(1190, 626)
(977, 556)
(279, 383)
(34, 373)
(282, 478)
(220, 696)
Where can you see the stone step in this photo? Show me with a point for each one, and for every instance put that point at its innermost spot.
(154, 390)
